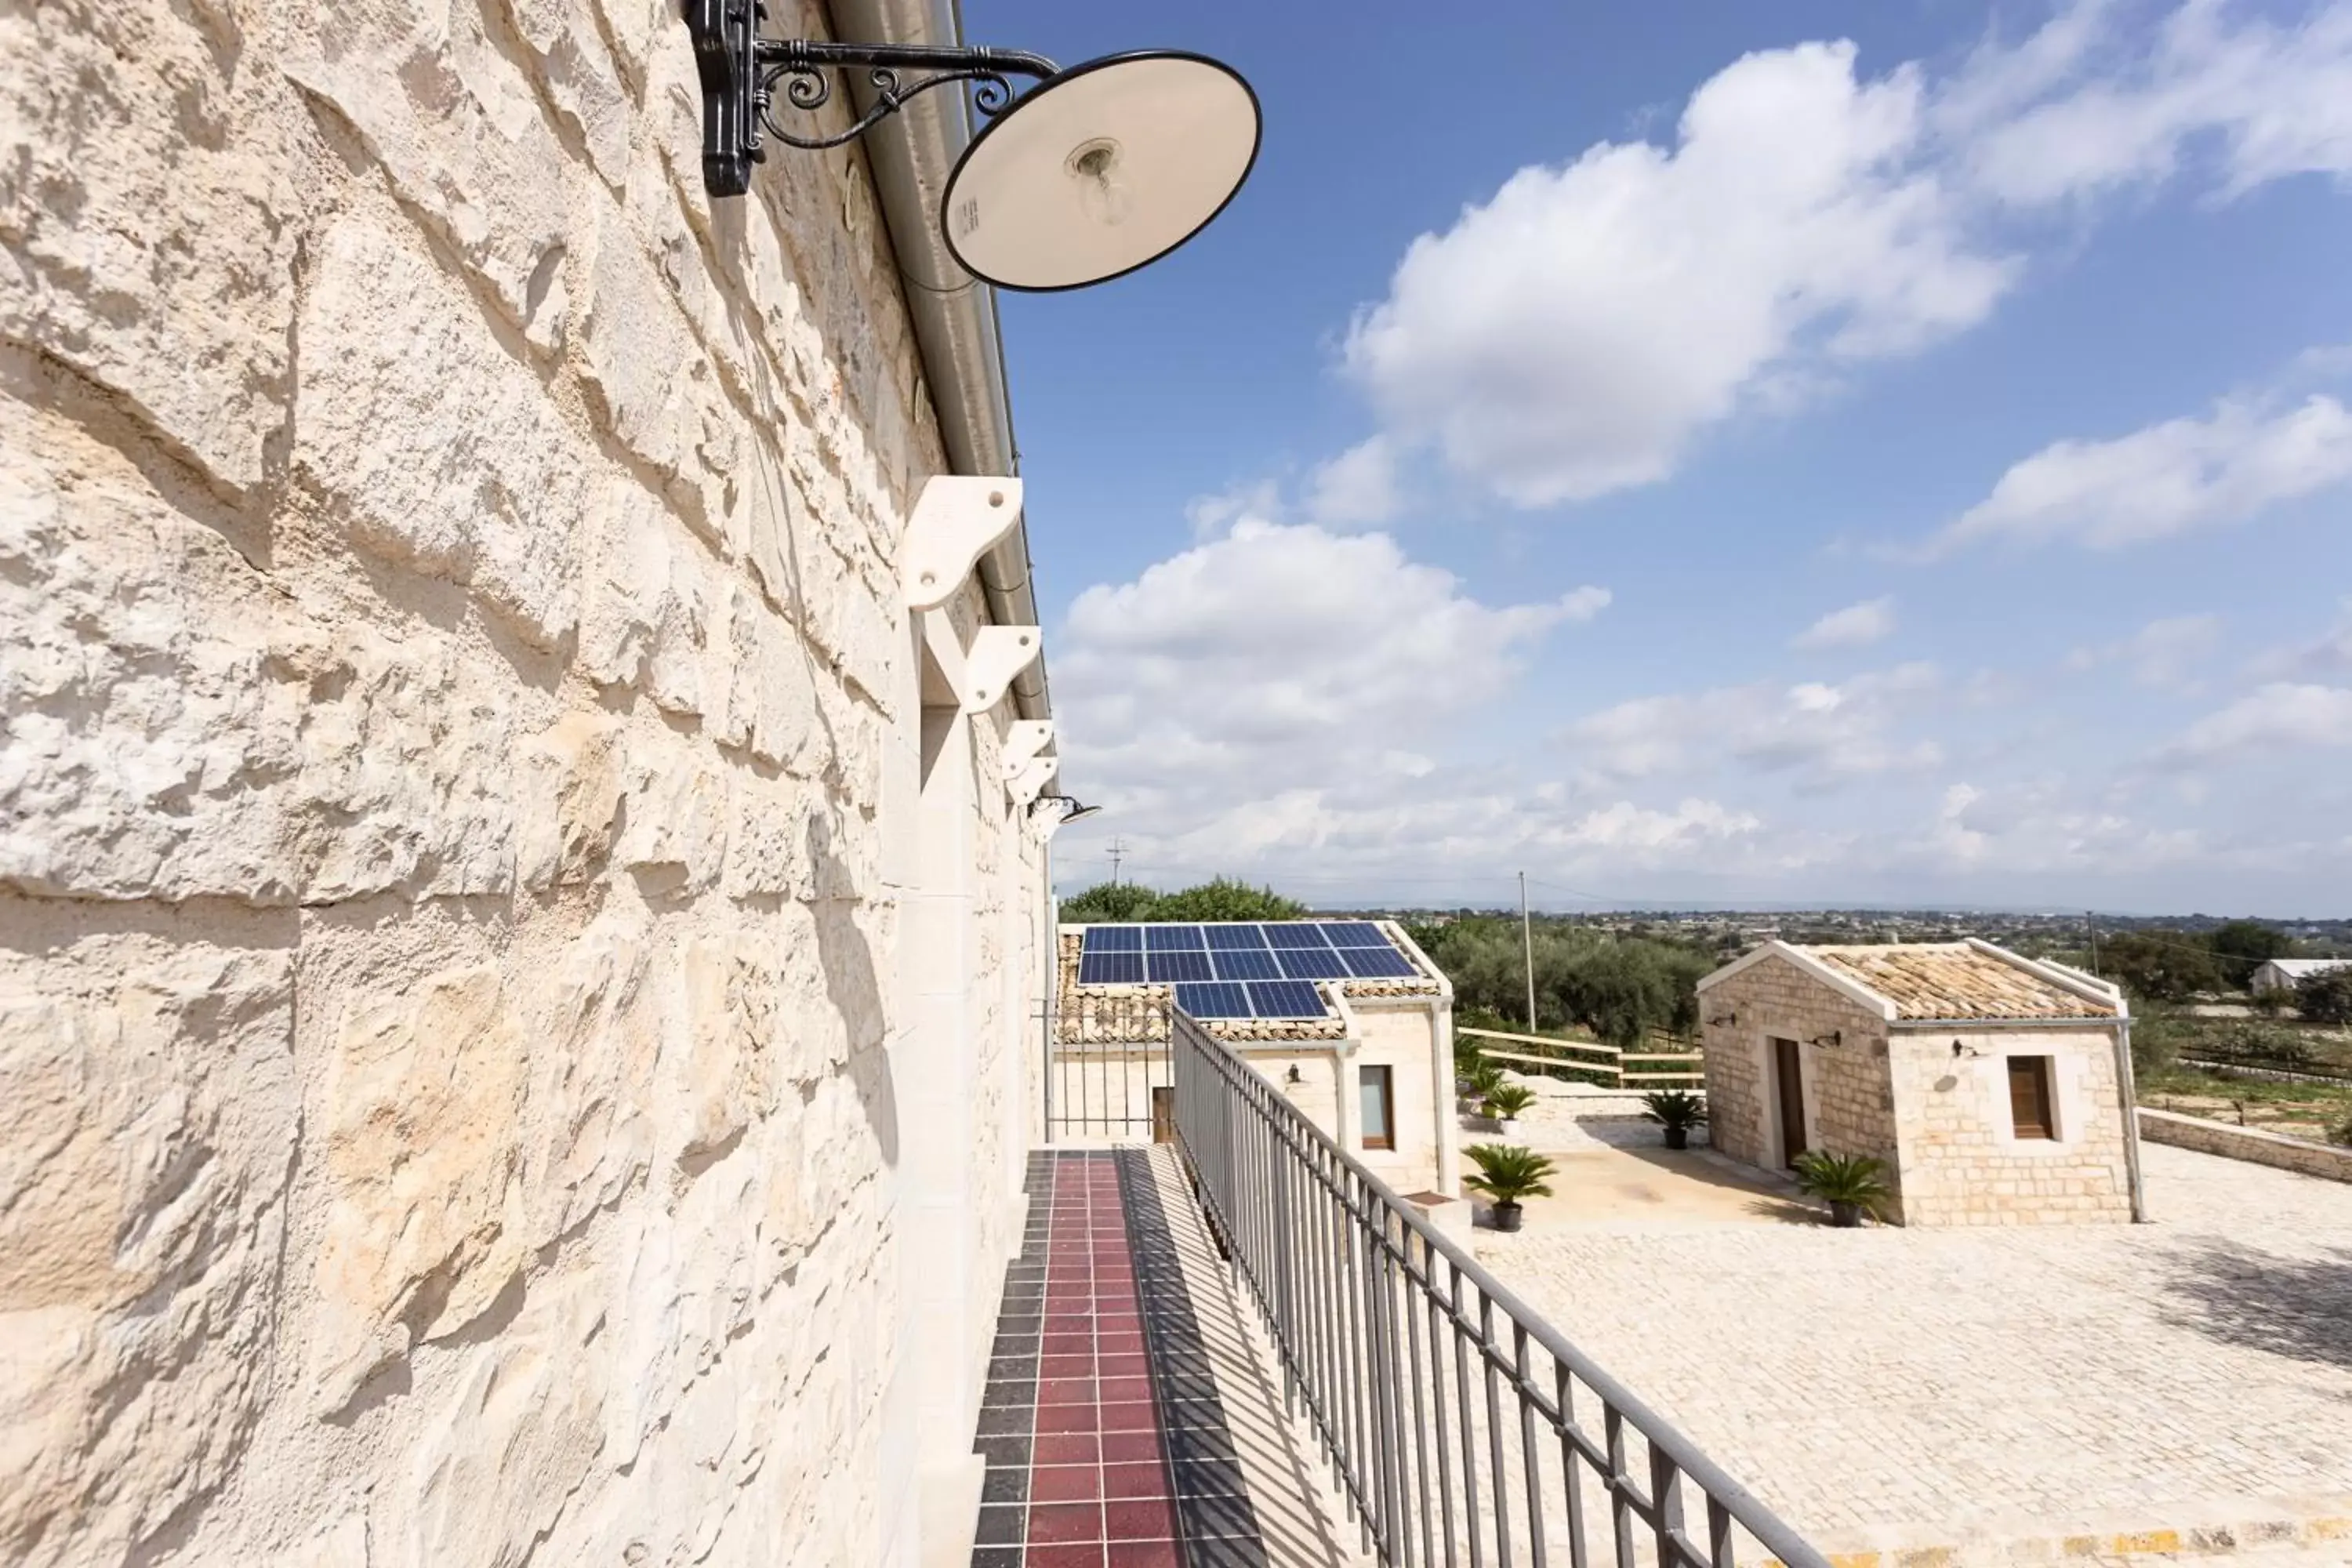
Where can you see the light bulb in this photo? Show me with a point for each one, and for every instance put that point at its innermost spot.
(1102, 195)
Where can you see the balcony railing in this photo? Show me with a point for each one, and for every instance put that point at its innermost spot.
(1460, 1426)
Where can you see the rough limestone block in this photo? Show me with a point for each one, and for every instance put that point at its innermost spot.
(147, 222)
(580, 77)
(568, 800)
(653, 387)
(434, 444)
(421, 1141)
(148, 1124)
(459, 132)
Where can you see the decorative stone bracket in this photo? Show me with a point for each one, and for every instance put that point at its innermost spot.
(1027, 783)
(997, 655)
(955, 519)
(1023, 742)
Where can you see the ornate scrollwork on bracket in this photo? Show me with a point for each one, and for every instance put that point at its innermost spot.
(740, 71)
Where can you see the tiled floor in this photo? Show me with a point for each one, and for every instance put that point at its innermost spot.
(1105, 1434)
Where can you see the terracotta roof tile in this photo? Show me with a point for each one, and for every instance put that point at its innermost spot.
(1957, 980)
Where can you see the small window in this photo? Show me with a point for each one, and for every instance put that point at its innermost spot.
(2029, 1097)
(1373, 1085)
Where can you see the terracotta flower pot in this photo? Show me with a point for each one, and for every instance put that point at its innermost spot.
(1845, 1214)
(1507, 1217)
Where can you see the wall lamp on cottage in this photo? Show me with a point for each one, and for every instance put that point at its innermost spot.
(1060, 808)
(1092, 173)
(1725, 1021)
(1831, 1040)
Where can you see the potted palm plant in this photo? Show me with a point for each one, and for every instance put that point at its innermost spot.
(1481, 1079)
(1677, 1110)
(1852, 1185)
(1506, 1173)
(1504, 1102)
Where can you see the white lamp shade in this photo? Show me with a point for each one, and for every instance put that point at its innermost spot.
(1108, 166)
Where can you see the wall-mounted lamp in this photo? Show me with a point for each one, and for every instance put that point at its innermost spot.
(1292, 1077)
(1725, 1021)
(1960, 1051)
(1834, 1038)
(1061, 808)
(1096, 170)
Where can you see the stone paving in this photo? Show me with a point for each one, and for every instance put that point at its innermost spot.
(1889, 1387)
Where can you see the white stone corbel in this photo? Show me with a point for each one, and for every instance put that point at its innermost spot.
(1030, 781)
(955, 519)
(1022, 741)
(997, 654)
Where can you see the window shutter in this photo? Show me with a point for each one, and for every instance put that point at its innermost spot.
(2029, 1097)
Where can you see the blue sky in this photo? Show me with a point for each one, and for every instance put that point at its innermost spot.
(1717, 453)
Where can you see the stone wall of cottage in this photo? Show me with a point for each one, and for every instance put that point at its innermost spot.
(1849, 1102)
(1962, 1162)
(450, 1025)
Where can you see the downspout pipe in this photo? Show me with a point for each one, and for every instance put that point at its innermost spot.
(956, 330)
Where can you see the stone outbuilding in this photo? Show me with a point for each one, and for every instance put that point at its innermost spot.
(1993, 1087)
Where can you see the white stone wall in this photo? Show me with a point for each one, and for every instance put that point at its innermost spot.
(451, 1034)
(1849, 1100)
(1962, 1162)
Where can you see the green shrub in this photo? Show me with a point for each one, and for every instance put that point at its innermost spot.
(1672, 1108)
(1857, 1179)
(1508, 1173)
(1506, 1100)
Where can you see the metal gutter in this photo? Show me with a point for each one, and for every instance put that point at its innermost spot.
(956, 329)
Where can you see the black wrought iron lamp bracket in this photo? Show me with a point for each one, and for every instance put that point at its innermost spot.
(741, 71)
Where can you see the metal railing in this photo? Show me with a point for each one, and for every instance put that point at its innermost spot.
(1461, 1427)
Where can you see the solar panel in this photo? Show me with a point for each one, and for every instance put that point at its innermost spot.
(1233, 937)
(1255, 965)
(1354, 933)
(1284, 999)
(1296, 933)
(1162, 967)
(1170, 939)
(1311, 964)
(1212, 1000)
(1110, 969)
(1114, 939)
(1382, 962)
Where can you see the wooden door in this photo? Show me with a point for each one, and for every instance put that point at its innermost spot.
(1788, 1093)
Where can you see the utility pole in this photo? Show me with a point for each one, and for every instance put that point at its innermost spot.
(1117, 853)
(1527, 941)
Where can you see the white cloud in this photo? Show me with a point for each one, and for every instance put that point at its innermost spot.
(2165, 479)
(1278, 657)
(1358, 488)
(2170, 653)
(1825, 734)
(1856, 626)
(1567, 337)
(2100, 98)
(2282, 716)
(2329, 654)
(1573, 332)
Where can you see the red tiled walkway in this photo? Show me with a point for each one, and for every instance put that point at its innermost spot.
(1106, 1442)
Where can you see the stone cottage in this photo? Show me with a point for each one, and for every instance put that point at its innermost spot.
(518, 926)
(1994, 1087)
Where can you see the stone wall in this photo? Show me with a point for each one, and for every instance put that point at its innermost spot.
(1962, 1162)
(2252, 1143)
(450, 1028)
(1849, 1107)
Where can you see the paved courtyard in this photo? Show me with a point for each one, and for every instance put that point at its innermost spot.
(1886, 1387)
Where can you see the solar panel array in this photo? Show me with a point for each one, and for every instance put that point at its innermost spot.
(1242, 971)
